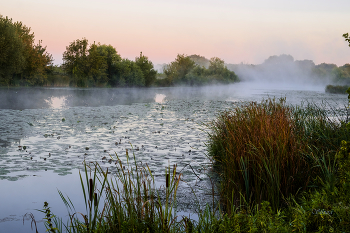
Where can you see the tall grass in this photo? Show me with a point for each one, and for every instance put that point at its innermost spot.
(271, 151)
(127, 201)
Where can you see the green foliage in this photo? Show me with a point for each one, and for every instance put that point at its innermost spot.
(130, 74)
(56, 76)
(97, 65)
(112, 59)
(178, 69)
(146, 66)
(101, 65)
(12, 60)
(184, 71)
(22, 61)
(75, 61)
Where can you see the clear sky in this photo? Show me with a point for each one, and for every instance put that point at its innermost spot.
(247, 31)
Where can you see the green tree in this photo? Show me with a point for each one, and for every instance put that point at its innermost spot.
(97, 65)
(38, 62)
(75, 61)
(216, 65)
(112, 60)
(219, 72)
(178, 69)
(12, 58)
(21, 60)
(130, 74)
(146, 66)
(37, 59)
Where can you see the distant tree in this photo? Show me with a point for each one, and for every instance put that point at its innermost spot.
(178, 69)
(112, 59)
(75, 61)
(216, 65)
(200, 60)
(146, 66)
(97, 65)
(130, 74)
(218, 72)
(278, 60)
(184, 71)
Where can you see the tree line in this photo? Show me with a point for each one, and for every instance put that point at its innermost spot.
(25, 63)
(101, 65)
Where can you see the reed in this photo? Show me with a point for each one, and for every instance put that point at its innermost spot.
(271, 151)
(127, 201)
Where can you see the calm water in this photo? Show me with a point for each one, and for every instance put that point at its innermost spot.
(61, 128)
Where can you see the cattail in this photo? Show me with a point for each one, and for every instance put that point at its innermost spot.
(91, 190)
(167, 180)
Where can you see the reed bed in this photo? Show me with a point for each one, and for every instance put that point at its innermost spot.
(271, 152)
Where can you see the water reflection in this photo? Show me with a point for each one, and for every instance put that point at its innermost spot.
(57, 102)
(159, 98)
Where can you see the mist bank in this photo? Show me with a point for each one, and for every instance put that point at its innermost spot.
(284, 69)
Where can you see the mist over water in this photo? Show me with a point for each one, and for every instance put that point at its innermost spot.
(164, 126)
(283, 72)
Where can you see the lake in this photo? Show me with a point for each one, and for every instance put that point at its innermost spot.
(47, 133)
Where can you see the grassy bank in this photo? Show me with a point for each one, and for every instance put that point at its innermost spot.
(280, 169)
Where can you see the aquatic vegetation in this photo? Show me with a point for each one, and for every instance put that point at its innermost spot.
(271, 151)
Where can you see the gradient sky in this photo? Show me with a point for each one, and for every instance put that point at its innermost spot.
(237, 31)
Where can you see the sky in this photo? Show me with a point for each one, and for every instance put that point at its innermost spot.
(236, 31)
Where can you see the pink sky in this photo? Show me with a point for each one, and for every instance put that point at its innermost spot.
(235, 31)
